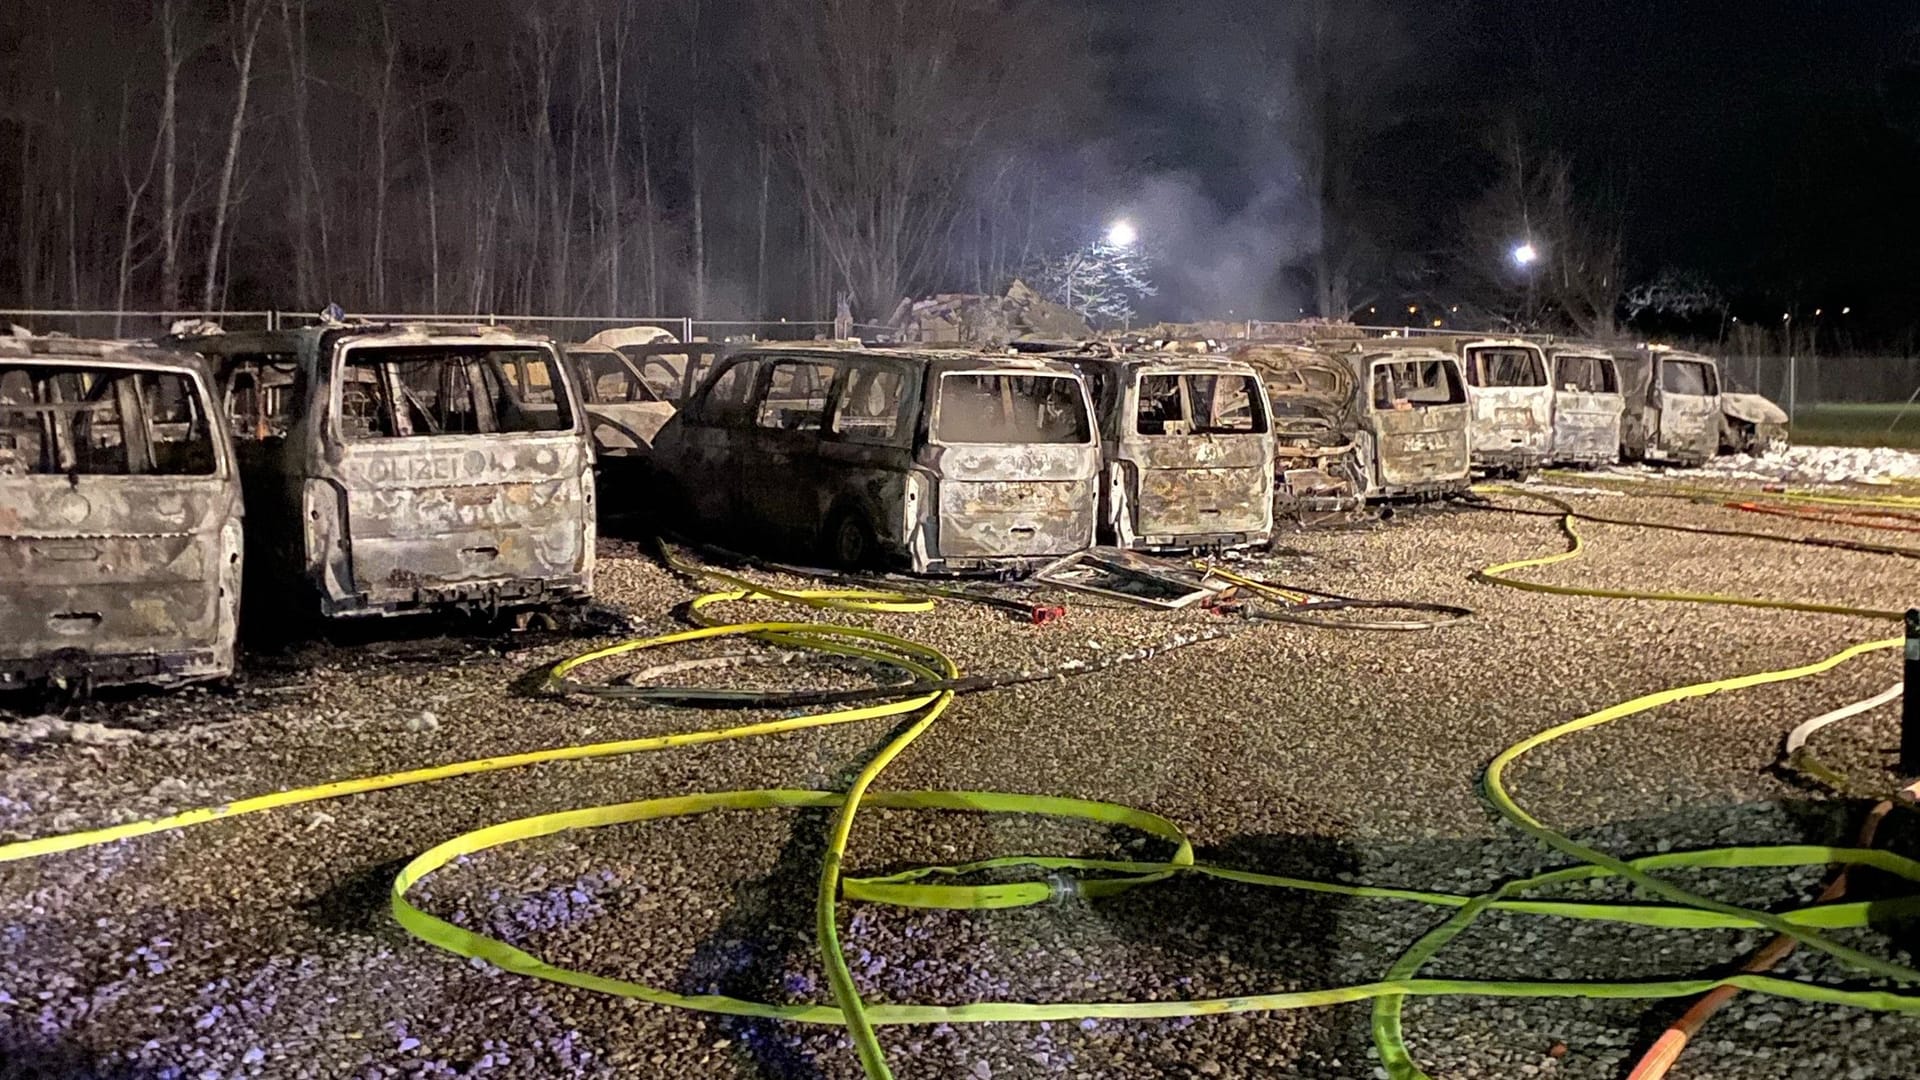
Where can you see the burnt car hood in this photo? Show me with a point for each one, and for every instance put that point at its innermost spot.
(1752, 408)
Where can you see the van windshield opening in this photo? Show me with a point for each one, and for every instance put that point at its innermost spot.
(1408, 384)
(397, 391)
(1507, 367)
(979, 407)
(1689, 378)
(79, 420)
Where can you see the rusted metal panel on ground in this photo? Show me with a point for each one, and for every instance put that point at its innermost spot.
(416, 467)
(936, 460)
(120, 516)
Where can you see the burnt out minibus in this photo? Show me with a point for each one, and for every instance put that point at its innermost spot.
(121, 540)
(406, 468)
(1188, 451)
(937, 461)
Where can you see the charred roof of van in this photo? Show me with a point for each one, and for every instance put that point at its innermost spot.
(936, 359)
(126, 353)
(403, 333)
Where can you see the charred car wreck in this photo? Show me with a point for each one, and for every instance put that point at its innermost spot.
(402, 468)
(1311, 396)
(935, 460)
(120, 516)
(1187, 451)
(1511, 429)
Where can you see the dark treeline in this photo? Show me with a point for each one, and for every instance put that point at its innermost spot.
(722, 159)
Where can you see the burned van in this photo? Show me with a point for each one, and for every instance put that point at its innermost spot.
(935, 460)
(1587, 405)
(1511, 399)
(1403, 416)
(1751, 424)
(1672, 405)
(1310, 393)
(120, 516)
(1188, 457)
(406, 468)
(1414, 420)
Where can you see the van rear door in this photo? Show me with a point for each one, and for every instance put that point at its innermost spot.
(1015, 461)
(1205, 458)
(1689, 397)
(455, 486)
(119, 519)
(1586, 408)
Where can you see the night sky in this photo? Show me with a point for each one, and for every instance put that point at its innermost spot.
(1770, 145)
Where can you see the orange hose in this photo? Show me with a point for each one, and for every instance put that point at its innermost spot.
(1666, 1050)
(1833, 517)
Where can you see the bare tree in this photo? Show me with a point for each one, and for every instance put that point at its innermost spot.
(248, 19)
(877, 106)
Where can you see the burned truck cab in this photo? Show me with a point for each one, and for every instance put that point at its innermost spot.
(1512, 403)
(940, 461)
(1587, 405)
(120, 516)
(1672, 405)
(407, 468)
(1188, 452)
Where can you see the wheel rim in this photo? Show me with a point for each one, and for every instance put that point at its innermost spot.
(850, 542)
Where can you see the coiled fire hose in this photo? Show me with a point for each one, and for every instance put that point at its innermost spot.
(937, 887)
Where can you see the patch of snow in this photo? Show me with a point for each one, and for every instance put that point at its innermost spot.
(1800, 465)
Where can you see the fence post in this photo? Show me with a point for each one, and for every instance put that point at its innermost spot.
(1910, 699)
(1793, 386)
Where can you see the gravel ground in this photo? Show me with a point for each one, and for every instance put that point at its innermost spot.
(263, 947)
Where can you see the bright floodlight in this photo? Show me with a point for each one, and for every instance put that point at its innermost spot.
(1525, 255)
(1122, 234)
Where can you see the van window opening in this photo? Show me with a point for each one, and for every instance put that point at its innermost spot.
(869, 405)
(1507, 367)
(262, 393)
(1586, 375)
(1195, 404)
(977, 407)
(1407, 384)
(431, 390)
(1687, 377)
(665, 373)
(796, 396)
(74, 420)
(610, 381)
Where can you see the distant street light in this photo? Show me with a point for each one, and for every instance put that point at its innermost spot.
(1122, 233)
(1526, 255)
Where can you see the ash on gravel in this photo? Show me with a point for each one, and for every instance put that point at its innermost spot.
(262, 946)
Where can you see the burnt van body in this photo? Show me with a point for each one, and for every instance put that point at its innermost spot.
(1673, 412)
(404, 468)
(121, 536)
(937, 461)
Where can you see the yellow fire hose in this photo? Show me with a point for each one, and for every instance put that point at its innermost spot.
(936, 886)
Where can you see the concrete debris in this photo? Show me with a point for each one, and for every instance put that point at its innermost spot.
(977, 319)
